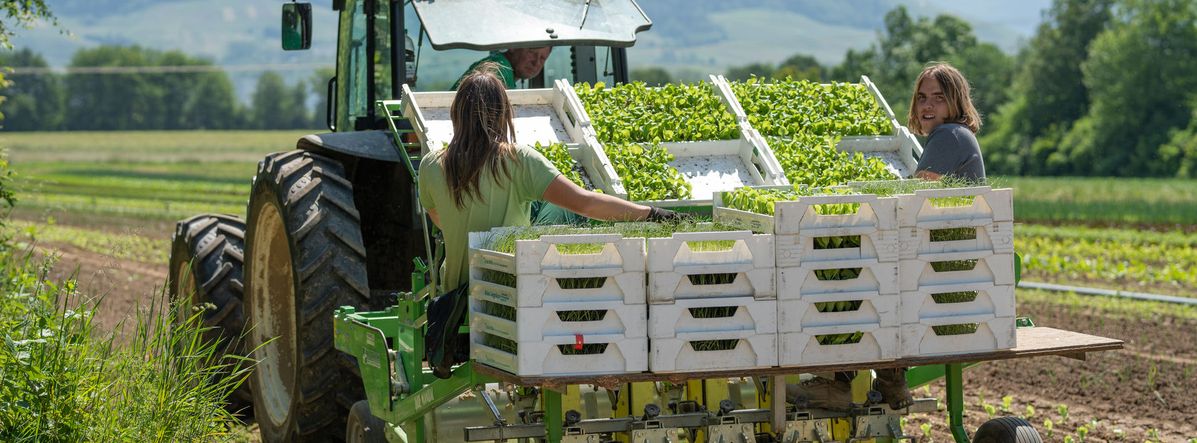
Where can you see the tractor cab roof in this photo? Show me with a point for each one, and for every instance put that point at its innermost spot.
(501, 24)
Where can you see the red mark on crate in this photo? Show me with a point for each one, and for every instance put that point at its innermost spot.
(578, 342)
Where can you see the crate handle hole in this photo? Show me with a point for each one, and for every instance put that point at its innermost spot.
(711, 245)
(837, 242)
(714, 312)
(958, 329)
(837, 274)
(839, 306)
(953, 234)
(581, 282)
(582, 315)
(953, 202)
(954, 297)
(954, 265)
(837, 208)
(714, 345)
(579, 248)
(586, 349)
(725, 278)
(848, 338)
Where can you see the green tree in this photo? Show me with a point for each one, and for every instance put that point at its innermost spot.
(275, 106)
(34, 101)
(115, 101)
(1047, 94)
(22, 13)
(908, 44)
(1139, 75)
(213, 103)
(651, 75)
(801, 67)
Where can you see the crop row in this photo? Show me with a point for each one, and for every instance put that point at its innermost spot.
(1109, 257)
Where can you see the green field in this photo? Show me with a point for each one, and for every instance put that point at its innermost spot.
(118, 193)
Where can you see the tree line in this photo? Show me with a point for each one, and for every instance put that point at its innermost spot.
(191, 99)
(1103, 87)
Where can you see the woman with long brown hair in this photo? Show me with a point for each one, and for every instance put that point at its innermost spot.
(484, 179)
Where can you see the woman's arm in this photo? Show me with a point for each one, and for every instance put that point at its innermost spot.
(566, 194)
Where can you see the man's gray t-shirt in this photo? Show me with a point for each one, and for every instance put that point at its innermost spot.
(952, 149)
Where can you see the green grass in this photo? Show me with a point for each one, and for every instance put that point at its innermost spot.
(62, 380)
(1105, 201)
(143, 146)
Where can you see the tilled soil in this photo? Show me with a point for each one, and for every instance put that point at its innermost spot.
(1143, 392)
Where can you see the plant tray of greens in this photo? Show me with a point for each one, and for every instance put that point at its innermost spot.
(851, 117)
(678, 144)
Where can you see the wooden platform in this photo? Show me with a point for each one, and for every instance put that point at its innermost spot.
(1032, 342)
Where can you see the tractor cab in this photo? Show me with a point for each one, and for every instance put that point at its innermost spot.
(428, 45)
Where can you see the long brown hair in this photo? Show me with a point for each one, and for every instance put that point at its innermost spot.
(483, 133)
(956, 93)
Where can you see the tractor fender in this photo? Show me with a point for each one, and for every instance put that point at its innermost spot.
(374, 144)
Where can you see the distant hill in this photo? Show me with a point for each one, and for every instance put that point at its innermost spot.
(687, 35)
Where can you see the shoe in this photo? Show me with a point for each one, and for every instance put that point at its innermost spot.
(891, 383)
(821, 393)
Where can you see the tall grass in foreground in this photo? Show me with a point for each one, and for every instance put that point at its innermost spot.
(62, 380)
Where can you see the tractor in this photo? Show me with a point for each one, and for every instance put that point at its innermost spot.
(325, 280)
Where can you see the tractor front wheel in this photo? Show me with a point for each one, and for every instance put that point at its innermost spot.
(304, 258)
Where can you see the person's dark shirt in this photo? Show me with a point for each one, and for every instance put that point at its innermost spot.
(952, 149)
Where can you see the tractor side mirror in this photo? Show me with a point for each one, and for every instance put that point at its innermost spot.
(297, 26)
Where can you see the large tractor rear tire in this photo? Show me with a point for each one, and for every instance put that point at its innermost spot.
(1007, 430)
(304, 258)
(205, 273)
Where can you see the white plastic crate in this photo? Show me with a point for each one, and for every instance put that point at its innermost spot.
(898, 150)
(537, 265)
(673, 327)
(721, 165)
(988, 206)
(709, 166)
(997, 237)
(671, 262)
(545, 116)
(919, 340)
(992, 300)
(801, 315)
(990, 268)
(800, 216)
(533, 325)
(621, 356)
(875, 279)
(795, 250)
(878, 344)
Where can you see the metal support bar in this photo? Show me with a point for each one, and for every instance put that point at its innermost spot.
(954, 378)
(552, 414)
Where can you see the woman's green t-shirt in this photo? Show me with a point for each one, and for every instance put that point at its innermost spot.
(503, 203)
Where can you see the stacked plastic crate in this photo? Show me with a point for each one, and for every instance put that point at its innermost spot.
(837, 279)
(559, 305)
(957, 270)
(712, 301)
